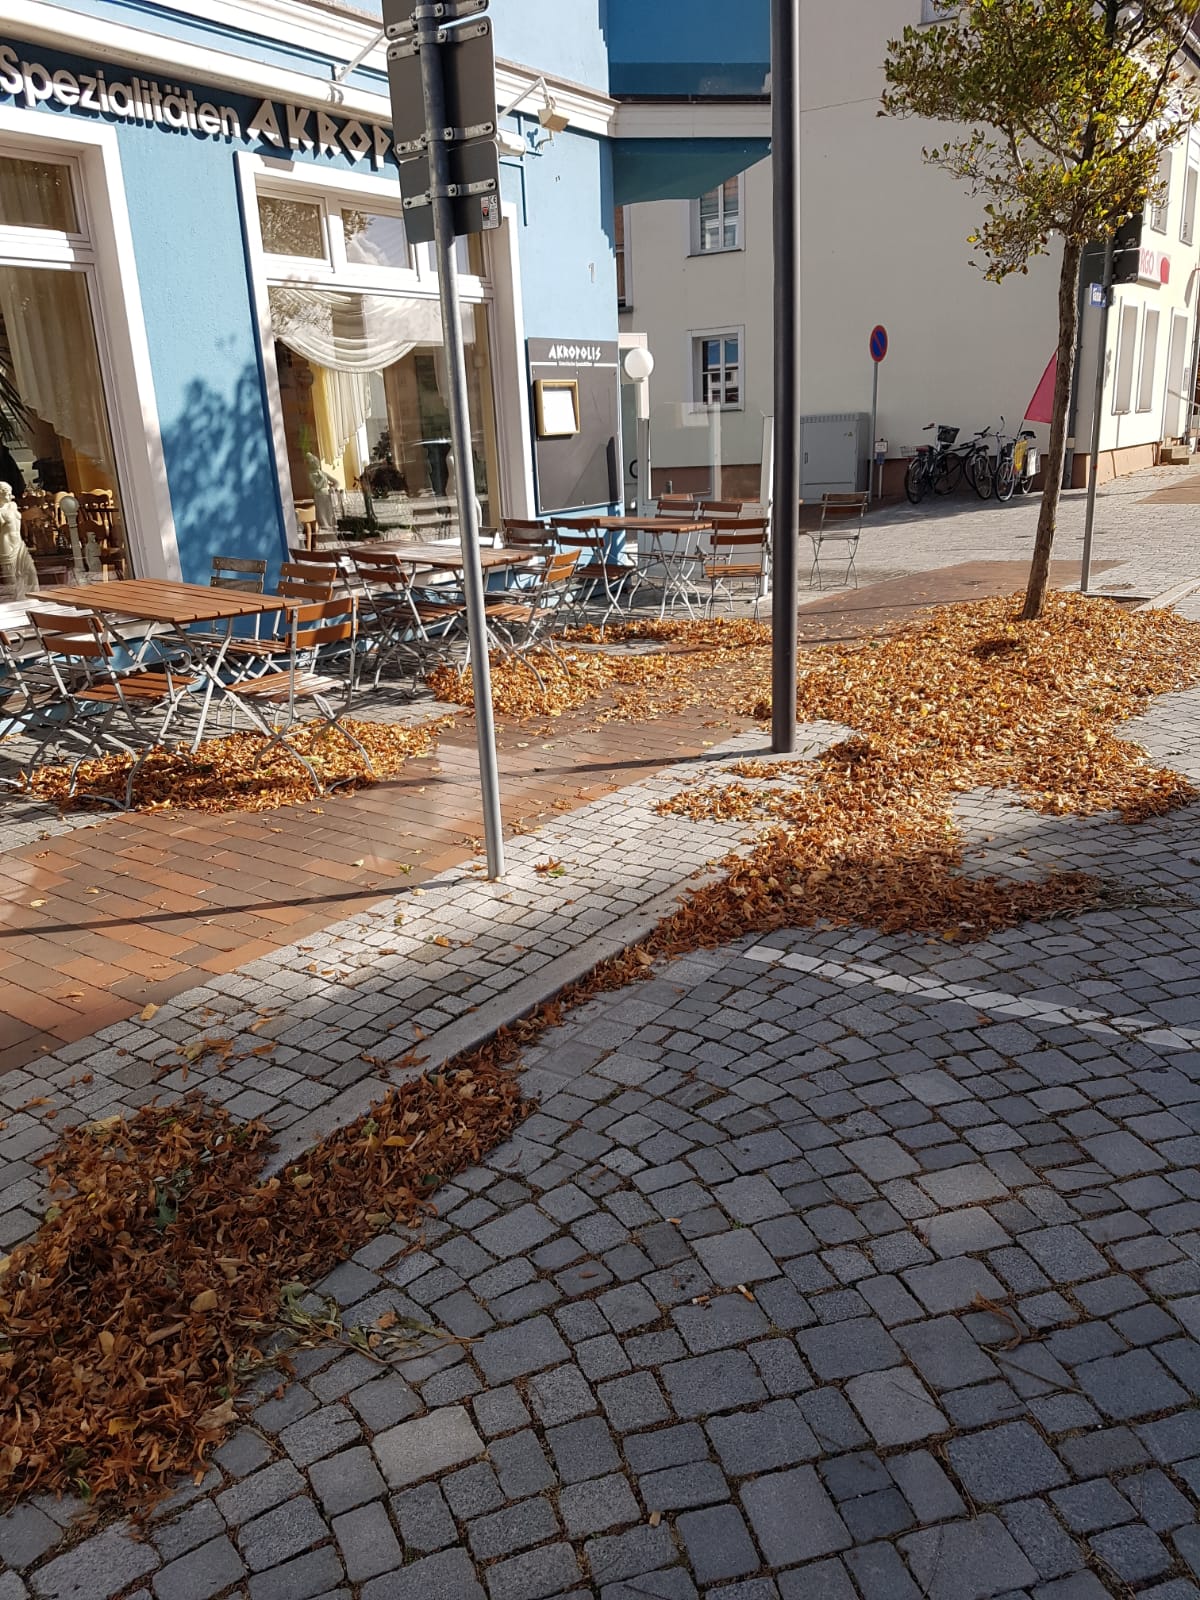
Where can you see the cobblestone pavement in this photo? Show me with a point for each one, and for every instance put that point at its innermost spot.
(831, 1266)
(1147, 544)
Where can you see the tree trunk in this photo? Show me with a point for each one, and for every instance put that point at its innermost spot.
(1068, 322)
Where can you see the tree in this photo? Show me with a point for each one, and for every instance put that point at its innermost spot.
(1067, 106)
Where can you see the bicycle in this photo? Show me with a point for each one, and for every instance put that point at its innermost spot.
(1016, 463)
(977, 463)
(932, 469)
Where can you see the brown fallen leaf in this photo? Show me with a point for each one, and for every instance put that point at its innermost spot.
(148, 1011)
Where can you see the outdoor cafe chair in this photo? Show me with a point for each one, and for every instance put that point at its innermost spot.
(677, 505)
(519, 626)
(598, 578)
(738, 557)
(32, 709)
(274, 701)
(417, 629)
(95, 692)
(722, 510)
(840, 529)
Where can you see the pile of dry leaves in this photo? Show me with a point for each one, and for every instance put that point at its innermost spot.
(226, 774)
(155, 1282)
(717, 663)
(969, 698)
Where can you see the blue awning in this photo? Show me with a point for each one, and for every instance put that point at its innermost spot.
(679, 169)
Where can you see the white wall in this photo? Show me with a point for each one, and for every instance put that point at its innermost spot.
(885, 240)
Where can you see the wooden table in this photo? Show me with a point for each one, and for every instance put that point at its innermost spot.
(173, 607)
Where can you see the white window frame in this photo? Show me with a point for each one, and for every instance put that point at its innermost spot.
(1157, 211)
(1148, 362)
(499, 292)
(695, 244)
(105, 253)
(696, 338)
(1123, 365)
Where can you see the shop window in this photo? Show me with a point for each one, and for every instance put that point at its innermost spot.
(292, 228)
(1145, 398)
(37, 194)
(56, 446)
(1126, 344)
(363, 388)
(374, 239)
(717, 369)
(717, 219)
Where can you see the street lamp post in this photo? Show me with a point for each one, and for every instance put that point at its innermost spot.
(639, 365)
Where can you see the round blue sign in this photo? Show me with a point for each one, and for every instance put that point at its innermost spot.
(879, 343)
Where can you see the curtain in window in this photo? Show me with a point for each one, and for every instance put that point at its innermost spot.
(48, 320)
(352, 333)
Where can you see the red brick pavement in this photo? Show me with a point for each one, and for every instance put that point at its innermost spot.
(98, 922)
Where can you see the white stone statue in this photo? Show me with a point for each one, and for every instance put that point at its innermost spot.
(17, 570)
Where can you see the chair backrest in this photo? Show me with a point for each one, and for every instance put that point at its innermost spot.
(324, 622)
(844, 504)
(519, 530)
(306, 516)
(238, 572)
(677, 505)
(381, 570)
(721, 510)
(303, 581)
(583, 543)
(743, 535)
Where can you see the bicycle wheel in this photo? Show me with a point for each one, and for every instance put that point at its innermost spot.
(1025, 483)
(1006, 477)
(947, 474)
(981, 474)
(916, 479)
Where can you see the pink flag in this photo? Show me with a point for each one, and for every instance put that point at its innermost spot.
(1041, 407)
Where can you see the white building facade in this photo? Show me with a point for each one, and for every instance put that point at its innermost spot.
(885, 243)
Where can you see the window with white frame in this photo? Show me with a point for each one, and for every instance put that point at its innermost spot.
(1145, 394)
(717, 368)
(717, 219)
(1126, 347)
(358, 352)
(56, 441)
(1158, 207)
(1187, 224)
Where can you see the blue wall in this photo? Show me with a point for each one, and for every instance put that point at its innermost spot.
(189, 248)
(688, 47)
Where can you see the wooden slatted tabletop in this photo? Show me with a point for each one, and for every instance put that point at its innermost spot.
(162, 600)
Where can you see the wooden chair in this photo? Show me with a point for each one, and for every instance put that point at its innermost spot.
(417, 629)
(306, 517)
(273, 701)
(722, 510)
(94, 691)
(598, 574)
(841, 526)
(520, 625)
(677, 505)
(739, 556)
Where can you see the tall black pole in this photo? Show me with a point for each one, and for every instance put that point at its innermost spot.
(785, 161)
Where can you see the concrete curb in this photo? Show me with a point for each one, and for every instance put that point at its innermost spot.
(1169, 597)
(477, 1027)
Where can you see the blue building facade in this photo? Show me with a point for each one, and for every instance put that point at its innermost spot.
(223, 342)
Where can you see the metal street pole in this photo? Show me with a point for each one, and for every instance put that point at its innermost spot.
(874, 432)
(785, 158)
(460, 431)
(1089, 522)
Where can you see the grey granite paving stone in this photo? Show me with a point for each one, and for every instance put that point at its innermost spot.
(895, 1406)
(967, 1560)
(717, 1543)
(426, 1445)
(793, 1518)
(1004, 1463)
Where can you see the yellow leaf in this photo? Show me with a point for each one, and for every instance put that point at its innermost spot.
(37, 902)
(216, 1418)
(302, 1180)
(442, 940)
(206, 1300)
(106, 1341)
(148, 1011)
